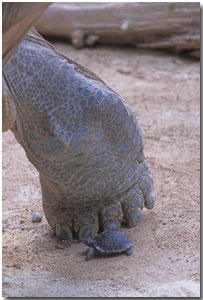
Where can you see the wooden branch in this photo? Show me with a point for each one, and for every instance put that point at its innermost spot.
(169, 25)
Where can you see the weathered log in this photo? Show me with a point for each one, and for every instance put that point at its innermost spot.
(169, 25)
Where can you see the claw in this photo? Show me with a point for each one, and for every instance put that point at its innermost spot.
(149, 201)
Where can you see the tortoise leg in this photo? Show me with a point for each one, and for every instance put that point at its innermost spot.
(129, 251)
(111, 216)
(90, 253)
(86, 224)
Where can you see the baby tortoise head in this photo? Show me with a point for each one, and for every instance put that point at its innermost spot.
(89, 242)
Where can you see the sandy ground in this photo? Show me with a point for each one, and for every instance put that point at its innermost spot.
(164, 92)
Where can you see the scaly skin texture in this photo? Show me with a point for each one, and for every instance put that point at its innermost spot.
(83, 138)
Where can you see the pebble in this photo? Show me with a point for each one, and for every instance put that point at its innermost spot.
(124, 71)
(36, 217)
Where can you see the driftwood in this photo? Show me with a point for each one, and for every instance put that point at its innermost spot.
(158, 25)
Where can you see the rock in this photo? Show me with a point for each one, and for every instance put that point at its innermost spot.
(36, 217)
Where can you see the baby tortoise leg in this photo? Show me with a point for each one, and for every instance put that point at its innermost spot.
(56, 211)
(111, 216)
(86, 224)
(129, 251)
(90, 253)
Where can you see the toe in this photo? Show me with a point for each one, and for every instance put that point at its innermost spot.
(133, 205)
(111, 216)
(86, 225)
(149, 201)
(63, 232)
(134, 217)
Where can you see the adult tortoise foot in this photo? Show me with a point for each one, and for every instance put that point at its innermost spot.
(82, 137)
(103, 216)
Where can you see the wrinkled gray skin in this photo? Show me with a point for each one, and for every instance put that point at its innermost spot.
(82, 137)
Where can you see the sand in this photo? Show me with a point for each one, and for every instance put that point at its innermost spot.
(164, 91)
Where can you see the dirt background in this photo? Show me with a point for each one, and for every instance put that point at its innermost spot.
(164, 91)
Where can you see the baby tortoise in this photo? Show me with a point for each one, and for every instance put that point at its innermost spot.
(109, 242)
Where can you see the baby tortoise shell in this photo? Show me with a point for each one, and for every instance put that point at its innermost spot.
(109, 242)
